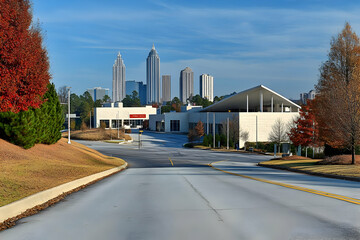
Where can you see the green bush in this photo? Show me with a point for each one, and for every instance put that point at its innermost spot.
(42, 125)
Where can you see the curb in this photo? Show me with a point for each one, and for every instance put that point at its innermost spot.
(355, 179)
(27, 206)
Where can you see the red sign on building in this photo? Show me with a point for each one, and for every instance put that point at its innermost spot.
(137, 115)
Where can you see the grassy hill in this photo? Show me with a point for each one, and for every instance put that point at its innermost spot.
(25, 172)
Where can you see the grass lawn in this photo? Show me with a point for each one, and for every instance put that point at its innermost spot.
(312, 166)
(25, 172)
(98, 134)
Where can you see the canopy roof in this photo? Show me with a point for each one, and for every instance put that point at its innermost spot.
(250, 101)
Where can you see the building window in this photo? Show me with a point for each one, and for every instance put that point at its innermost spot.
(174, 125)
(106, 122)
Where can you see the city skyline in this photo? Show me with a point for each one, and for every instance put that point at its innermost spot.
(277, 43)
(153, 90)
(206, 82)
(186, 81)
(166, 88)
(118, 82)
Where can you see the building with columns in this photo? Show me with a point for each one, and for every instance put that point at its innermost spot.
(255, 110)
(118, 84)
(207, 87)
(153, 77)
(186, 84)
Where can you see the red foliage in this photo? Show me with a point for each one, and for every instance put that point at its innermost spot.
(305, 133)
(24, 65)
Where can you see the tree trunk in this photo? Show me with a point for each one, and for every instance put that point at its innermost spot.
(353, 153)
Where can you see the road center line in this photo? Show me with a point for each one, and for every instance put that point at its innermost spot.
(172, 164)
(309, 190)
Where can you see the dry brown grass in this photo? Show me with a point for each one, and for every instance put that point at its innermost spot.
(25, 172)
(316, 166)
(98, 134)
(294, 157)
(340, 160)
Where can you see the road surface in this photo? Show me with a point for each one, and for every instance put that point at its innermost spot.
(171, 193)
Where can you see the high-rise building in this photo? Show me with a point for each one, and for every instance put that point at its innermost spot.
(118, 91)
(153, 76)
(139, 87)
(166, 88)
(186, 84)
(207, 87)
(305, 96)
(98, 93)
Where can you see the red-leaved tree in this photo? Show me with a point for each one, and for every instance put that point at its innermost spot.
(305, 132)
(24, 65)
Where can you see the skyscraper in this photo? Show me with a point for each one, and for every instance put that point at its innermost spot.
(98, 93)
(166, 88)
(139, 87)
(186, 84)
(118, 91)
(207, 87)
(153, 76)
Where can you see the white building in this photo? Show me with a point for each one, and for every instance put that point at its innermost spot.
(207, 87)
(115, 115)
(255, 110)
(186, 84)
(118, 86)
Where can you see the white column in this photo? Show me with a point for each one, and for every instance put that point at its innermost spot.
(239, 140)
(256, 131)
(207, 123)
(261, 101)
(247, 103)
(272, 104)
(214, 130)
(282, 107)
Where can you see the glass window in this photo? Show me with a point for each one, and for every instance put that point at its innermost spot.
(106, 122)
(174, 125)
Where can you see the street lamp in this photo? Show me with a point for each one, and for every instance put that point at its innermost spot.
(68, 88)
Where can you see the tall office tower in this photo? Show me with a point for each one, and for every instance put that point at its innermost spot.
(118, 91)
(139, 87)
(98, 93)
(207, 87)
(186, 84)
(166, 88)
(153, 77)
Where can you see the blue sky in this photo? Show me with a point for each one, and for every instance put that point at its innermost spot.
(280, 44)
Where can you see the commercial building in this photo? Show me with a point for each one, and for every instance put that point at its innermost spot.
(115, 115)
(98, 93)
(186, 84)
(166, 88)
(254, 110)
(139, 87)
(207, 87)
(153, 77)
(118, 85)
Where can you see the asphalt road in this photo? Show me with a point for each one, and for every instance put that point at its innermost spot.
(185, 199)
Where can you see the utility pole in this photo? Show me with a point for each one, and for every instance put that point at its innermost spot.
(90, 118)
(68, 88)
(118, 124)
(140, 132)
(227, 134)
